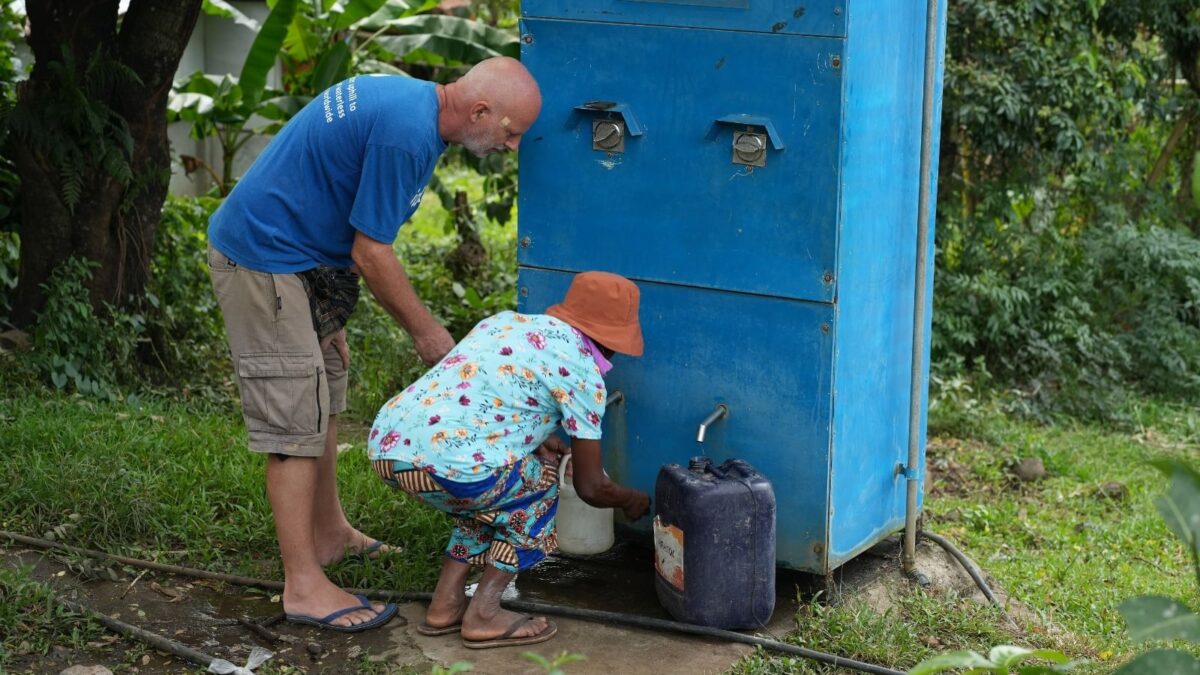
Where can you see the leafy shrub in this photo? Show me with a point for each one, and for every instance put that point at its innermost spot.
(10, 252)
(1154, 617)
(187, 335)
(1079, 316)
(76, 348)
(174, 336)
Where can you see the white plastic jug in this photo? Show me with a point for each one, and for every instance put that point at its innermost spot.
(582, 529)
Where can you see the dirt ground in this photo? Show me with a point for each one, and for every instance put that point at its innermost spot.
(213, 617)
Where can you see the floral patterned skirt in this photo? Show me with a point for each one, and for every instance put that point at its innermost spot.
(505, 520)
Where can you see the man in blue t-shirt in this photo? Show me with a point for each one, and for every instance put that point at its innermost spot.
(319, 207)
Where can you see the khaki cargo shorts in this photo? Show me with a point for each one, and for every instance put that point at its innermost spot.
(289, 387)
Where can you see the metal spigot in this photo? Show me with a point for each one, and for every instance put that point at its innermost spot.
(721, 411)
(614, 398)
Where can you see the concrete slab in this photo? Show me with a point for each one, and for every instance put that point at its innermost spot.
(609, 649)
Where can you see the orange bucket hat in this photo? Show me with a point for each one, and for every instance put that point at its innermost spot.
(605, 307)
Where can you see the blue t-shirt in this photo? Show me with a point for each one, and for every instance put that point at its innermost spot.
(358, 157)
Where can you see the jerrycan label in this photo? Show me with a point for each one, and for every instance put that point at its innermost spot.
(668, 552)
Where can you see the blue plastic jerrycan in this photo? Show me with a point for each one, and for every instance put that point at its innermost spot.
(714, 543)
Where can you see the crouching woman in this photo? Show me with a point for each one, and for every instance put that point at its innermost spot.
(473, 437)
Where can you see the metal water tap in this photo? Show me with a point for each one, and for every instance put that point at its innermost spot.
(721, 411)
(614, 398)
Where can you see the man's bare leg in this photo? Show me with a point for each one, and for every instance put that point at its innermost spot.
(291, 484)
(485, 619)
(332, 532)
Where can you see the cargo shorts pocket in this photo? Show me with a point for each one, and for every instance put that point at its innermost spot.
(281, 392)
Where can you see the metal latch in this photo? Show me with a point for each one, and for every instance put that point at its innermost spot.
(612, 123)
(751, 136)
(749, 148)
(608, 135)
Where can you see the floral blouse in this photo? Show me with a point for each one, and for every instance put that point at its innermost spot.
(493, 399)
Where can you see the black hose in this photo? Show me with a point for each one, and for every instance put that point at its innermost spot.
(519, 605)
(972, 570)
(155, 640)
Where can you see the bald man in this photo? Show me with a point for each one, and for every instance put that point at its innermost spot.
(319, 207)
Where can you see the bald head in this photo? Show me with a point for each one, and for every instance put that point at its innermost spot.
(490, 107)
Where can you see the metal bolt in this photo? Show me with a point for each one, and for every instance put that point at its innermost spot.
(527, 38)
(827, 278)
(607, 135)
(749, 147)
(524, 291)
(837, 11)
(525, 242)
(824, 328)
(836, 61)
(818, 548)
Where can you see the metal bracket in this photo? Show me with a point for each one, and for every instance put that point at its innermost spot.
(747, 121)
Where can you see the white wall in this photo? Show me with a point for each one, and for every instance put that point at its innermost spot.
(217, 46)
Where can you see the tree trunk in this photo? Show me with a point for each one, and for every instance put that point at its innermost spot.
(114, 222)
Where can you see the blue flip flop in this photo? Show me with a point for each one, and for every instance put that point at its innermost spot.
(326, 622)
(365, 552)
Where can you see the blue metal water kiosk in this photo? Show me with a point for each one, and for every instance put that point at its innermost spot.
(754, 166)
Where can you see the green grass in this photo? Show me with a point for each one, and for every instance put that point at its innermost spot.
(31, 624)
(1062, 550)
(175, 483)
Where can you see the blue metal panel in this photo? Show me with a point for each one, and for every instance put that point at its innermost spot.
(801, 17)
(673, 207)
(880, 179)
(767, 359)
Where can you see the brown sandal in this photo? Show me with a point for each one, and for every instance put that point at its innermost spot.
(506, 640)
(434, 631)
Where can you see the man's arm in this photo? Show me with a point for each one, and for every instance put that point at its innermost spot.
(389, 284)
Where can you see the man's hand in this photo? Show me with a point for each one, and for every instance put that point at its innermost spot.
(637, 506)
(434, 345)
(338, 340)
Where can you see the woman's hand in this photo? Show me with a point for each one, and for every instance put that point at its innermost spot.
(638, 506)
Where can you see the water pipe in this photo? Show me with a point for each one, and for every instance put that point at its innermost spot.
(648, 623)
(908, 557)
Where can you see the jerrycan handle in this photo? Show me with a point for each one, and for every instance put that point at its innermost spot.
(562, 469)
(739, 467)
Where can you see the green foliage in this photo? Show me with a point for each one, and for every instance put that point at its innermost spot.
(76, 349)
(1029, 89)
(553, 666)
(11, 70)
(1077, 315)
(183, 322)
(76, 129)
(445, 40)
(174, 336)
(1152, 617)
(454, 669)
(1175, 22)
(10, 255)
(1000, 660)
(458, 305)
